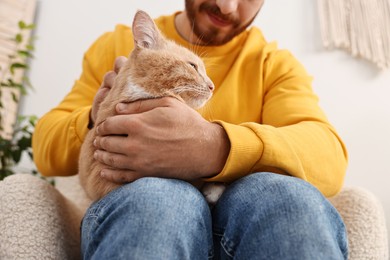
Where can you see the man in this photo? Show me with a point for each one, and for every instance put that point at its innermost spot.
(262, 132)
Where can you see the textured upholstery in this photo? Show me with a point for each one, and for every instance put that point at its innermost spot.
(364, 218)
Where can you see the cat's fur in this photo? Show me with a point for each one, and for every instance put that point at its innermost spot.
(156, 67)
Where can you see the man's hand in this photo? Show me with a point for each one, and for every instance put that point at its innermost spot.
(160, 138)
(108, 82)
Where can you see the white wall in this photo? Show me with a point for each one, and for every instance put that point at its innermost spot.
(353, 92)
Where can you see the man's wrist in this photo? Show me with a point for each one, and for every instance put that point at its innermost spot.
(220, 144)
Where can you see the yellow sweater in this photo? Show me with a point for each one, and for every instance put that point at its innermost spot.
(263, 99)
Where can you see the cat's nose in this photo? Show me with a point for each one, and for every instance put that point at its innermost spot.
(211, 86)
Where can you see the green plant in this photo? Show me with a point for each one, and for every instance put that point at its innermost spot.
(11, 150)
(15, 81)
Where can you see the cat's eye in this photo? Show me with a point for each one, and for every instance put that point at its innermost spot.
(193, 65)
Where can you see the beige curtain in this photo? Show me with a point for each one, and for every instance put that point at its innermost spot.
(11, 12)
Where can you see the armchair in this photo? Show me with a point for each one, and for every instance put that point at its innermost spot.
(39, 221)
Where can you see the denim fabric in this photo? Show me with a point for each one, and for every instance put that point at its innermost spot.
(261, 216)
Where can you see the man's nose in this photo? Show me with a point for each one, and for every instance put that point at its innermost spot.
(227, 6)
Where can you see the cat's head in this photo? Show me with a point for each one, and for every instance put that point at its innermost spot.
(162, 67)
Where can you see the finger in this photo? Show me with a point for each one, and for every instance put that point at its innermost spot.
(99, 97)
(144, 105)
(119, 176)
(113, 160)
(112, 144)
(108, 80)
(101, 94)
(119, 62)
(118, 125)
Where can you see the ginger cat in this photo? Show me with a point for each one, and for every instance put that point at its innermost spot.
(156, 67)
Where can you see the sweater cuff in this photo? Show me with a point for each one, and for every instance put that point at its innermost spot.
(246, 149)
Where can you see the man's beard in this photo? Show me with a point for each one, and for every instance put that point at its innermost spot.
(212, 36)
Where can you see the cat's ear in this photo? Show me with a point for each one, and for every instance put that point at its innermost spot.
(145, 31)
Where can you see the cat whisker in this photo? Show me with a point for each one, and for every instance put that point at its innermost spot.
(184, 89)
(193, 89)
(192, 29)
(212, 66)
(203, 54)
(198, 41)
(195, 45)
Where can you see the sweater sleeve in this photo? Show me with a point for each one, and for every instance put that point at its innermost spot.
(294, 136)
(59, 133)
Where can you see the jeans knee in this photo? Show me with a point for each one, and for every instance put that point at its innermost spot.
(301, 197)
(297, 194)
(152, 196)
(162, 191)
(281, 191)
(292, 189)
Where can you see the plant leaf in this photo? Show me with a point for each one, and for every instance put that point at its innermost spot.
(18, 38)
(30, 26)
(16, 156)
(22, 25)
(30, 47)
(17, 65)
(25, 54)
(24, 143)
(26, 81)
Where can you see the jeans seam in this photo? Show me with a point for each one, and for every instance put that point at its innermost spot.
(211, 254)
(224, 243)
(89, 229)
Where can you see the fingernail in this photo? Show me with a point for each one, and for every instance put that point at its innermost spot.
(102, 173)
(95, 142)
(121, 107)
(95, 155)
(97, 129)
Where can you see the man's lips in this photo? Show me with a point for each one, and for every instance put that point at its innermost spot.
(218, 21)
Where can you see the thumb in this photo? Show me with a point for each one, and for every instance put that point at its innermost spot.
(99, 97)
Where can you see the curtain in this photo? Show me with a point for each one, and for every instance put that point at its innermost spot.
(11, 12)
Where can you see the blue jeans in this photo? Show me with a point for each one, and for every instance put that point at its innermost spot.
(261, 216)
